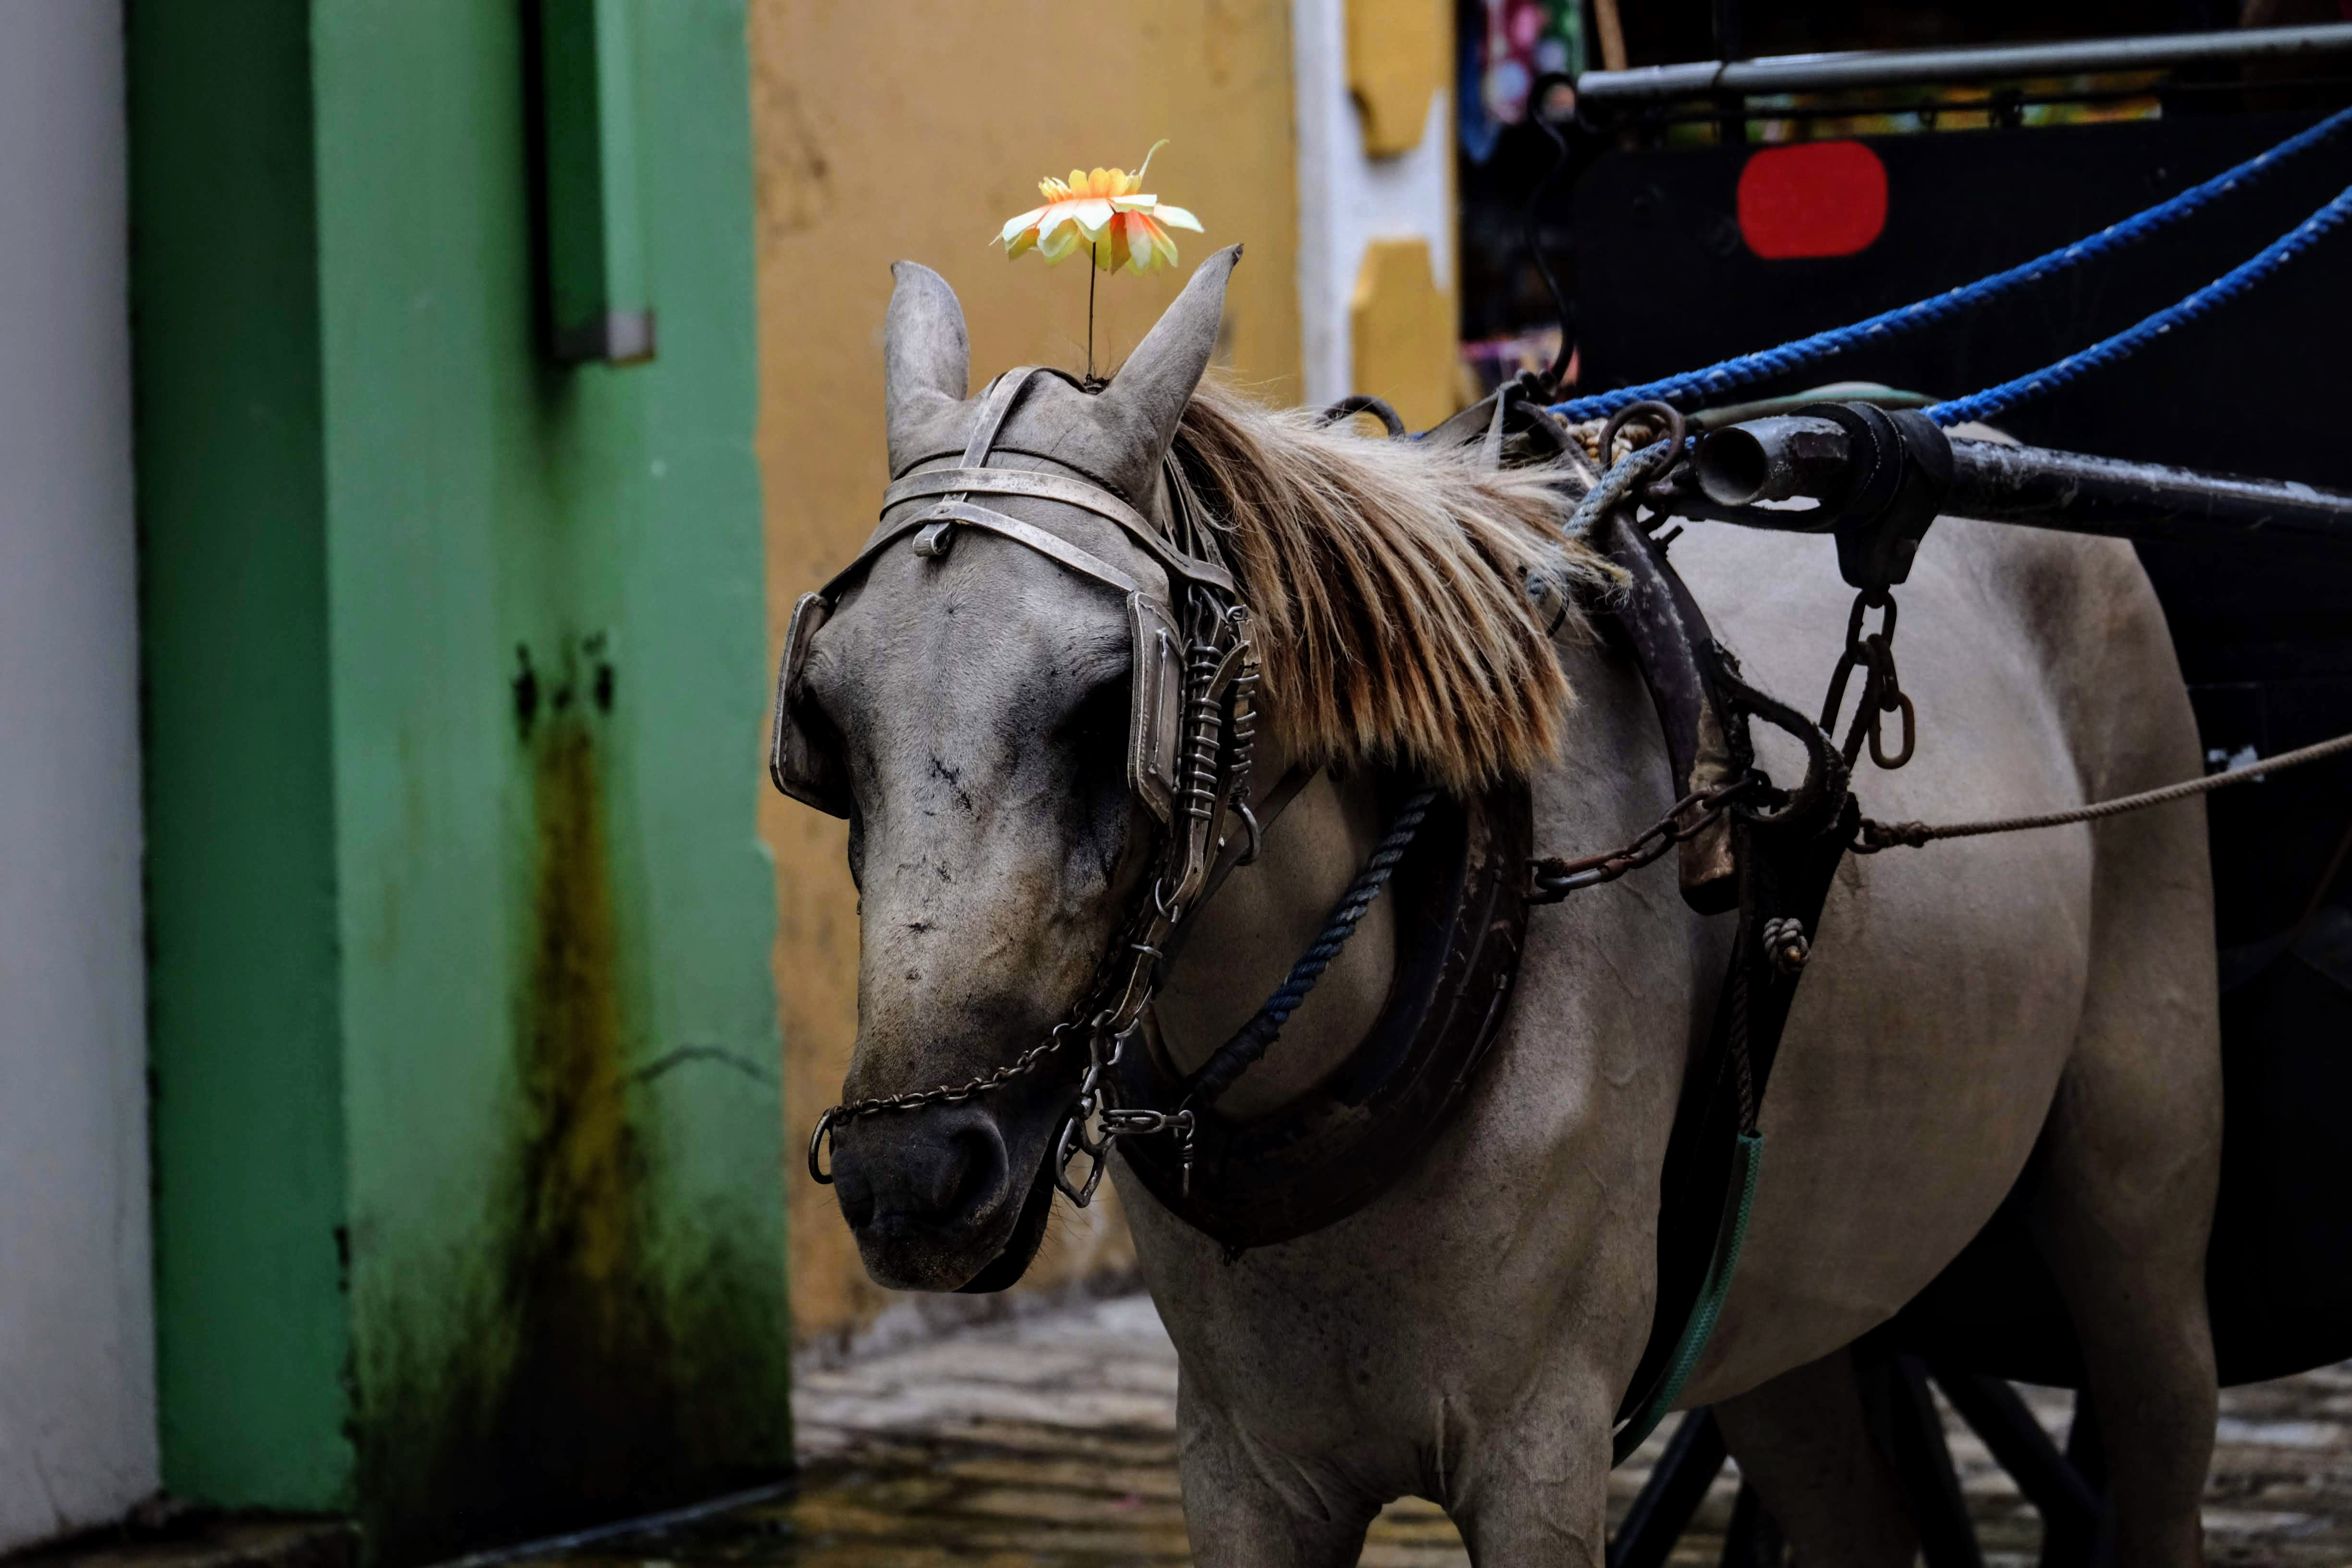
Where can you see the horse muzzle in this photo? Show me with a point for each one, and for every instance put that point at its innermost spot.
(941, 1198)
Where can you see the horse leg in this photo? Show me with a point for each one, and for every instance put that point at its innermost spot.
(1235, 1514)
(1802, 1442)
(2131, 1160)
(1535, 1491)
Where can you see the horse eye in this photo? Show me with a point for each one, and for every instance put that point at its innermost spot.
(1101, 719)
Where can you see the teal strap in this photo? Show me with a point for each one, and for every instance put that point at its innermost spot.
(1748, 1160)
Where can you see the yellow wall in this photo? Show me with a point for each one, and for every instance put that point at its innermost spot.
(914, 128)
(1406, 334)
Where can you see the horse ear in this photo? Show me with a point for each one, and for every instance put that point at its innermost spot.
(926, 354)
(1148, 396)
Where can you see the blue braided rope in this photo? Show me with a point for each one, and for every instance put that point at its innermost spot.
(1236, 1055)
(1743, 370)
(1997, 400)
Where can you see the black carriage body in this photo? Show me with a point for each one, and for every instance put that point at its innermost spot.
(1666, 282)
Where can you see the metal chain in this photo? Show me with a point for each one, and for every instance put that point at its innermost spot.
(1551, 878)
(1098, 1104)
(1028, 1062)
(1881, 690)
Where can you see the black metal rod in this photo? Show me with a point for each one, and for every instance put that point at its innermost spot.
(1898, 68)
(1941, 109)
(1803, 456)
(2082, 494)
(1903, 1417)
(1694, 1456)
(1777, 458)
(2067, 1503)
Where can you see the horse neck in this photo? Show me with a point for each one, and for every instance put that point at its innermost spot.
(1244, 939)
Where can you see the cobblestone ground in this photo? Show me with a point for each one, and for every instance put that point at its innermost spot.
(1050, 1440)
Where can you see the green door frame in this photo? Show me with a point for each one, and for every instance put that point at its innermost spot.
(468, 1178)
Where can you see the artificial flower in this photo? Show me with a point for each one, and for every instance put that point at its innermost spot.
(1106, 211)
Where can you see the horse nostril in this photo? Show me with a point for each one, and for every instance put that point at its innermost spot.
(853, 1189)
(970, 1175)
(921, 1176)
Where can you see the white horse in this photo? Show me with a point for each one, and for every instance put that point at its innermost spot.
(2040, 1005)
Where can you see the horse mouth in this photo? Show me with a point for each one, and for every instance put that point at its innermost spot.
(1020, 1250)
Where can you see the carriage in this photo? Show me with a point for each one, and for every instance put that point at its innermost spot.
(1685, 254)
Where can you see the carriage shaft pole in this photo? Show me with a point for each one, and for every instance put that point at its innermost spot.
(2083, 494)
(1807, 456)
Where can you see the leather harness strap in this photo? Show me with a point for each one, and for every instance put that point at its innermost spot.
(994, 408)
(955, 510)
(1461, 913)
(1774, 865)
(1089, 495)
(949, 491)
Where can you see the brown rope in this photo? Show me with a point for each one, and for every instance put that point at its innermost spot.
(1877, 836)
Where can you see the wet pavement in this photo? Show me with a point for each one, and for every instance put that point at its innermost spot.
(1050, 1440)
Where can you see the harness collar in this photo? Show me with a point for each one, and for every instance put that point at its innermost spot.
(1459, 901)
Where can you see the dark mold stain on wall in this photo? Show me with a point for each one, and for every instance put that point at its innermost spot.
(603, 1374)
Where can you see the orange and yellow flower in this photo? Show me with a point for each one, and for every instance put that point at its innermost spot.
(1106, 212)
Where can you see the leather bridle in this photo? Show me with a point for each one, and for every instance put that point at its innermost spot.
(1192, 722)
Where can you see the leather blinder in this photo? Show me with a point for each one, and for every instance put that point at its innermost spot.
(1156, 706)
(809, 773)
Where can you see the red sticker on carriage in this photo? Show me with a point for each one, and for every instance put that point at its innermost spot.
(1819, 198)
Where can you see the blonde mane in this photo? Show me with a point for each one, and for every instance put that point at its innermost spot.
(1387, 582)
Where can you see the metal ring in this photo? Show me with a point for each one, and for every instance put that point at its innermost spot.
(822, 1177)
(1910, 736)
(1249, 819)
(1835, 702)
(1867, 600)
(1348, 408)
(1671, 417)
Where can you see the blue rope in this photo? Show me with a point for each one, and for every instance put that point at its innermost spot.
(1997, 400)
(1744, 370)
(1236, 1055)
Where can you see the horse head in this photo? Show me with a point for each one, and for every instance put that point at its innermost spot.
(965, 700)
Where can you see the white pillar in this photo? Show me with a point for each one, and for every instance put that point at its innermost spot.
(1349, 198)
(76, 1324)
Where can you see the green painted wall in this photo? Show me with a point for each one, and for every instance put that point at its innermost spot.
(247, 1065)
(470, 1202)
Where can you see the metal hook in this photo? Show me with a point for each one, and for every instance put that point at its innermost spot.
(1249, 820)
(1067, 1148)
(1651, 412)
